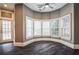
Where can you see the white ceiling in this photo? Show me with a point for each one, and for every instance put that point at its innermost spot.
(34, 6)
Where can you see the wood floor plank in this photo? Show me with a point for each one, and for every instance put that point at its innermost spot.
(36, 48)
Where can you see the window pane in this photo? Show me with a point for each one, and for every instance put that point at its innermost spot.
(37, 28)
(66, 27)
(6, 27)
(55, 28)
(29, 28)
(46, 28)
(9, 35)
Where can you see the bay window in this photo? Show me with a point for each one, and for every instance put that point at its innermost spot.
(58, 28)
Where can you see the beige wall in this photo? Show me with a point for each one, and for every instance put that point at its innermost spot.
(47, 15)
(55, 14)
(36, 15)
(19, 22)
(27, 11)
(67, 9)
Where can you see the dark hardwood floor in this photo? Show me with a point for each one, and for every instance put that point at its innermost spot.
(36, 48)
(76, 52)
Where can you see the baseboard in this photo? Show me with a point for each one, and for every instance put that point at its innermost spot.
(5, 41)
(71, 45)
(21, 44)
(76, 46)
(45, 39)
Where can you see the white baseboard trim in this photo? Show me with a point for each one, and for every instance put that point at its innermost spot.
(19, 44)
(45, 39)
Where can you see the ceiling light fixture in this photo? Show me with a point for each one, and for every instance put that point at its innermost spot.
(5, 5)
(45, 6)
